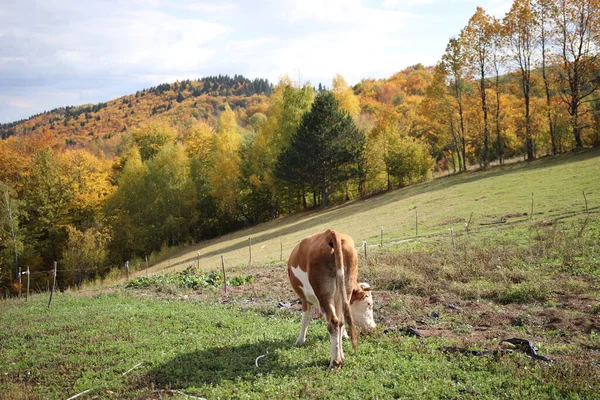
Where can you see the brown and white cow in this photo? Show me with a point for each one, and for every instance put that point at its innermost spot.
(323, 270)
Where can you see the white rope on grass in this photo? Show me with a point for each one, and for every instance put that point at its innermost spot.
(79, 394)
(261, 356)
(132, 368)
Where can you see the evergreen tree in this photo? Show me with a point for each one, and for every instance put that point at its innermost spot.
(325, 149)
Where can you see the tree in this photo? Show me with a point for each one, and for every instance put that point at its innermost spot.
(85, 254)
(577, 23)
(10, 228)
(345, 96)
(543, 11)
(478, 42)
(151, 137)
(224, 177)
(326, 144)
(523, 37)
(408, 160)
(438, 109)
(47, 196)
(288, 103)
(453, 63)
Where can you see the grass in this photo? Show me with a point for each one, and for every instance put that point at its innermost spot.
(535, 278)
(209, 349)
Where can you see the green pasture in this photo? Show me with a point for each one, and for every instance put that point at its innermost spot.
(210, 350)
(555, 185)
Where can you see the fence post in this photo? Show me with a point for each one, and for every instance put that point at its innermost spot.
(224, 276)
(147, 266)
(280, 249)
(19, 279)
(27, 296)
(127, 269)
(198, 261)
(250, 250)
(53, 285)
(416, 222)
(365, 248)
(452, 236)
(531, 215)
(381, 245)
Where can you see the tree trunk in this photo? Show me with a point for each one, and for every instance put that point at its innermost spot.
(486, 133)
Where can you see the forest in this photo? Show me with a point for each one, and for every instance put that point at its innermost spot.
(93, 186)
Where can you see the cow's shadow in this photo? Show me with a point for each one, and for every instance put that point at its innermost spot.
(215, 364)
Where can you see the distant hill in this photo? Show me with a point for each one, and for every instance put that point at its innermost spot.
(101, 125)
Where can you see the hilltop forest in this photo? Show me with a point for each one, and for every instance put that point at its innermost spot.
(93, 186)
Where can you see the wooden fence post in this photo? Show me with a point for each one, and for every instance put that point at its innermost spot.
(127, 269)
(250, 250)
(53, 285)
(19, 279)
(147, 266)
(381, 245)
(365, 248)
(280, 249)
(416, 222)
(531, 215)
(224, 276)
(27, 296)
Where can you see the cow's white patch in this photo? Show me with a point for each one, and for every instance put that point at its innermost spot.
(307, 289)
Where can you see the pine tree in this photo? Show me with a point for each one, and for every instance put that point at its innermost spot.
(325, 149)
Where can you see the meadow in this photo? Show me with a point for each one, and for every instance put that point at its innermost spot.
(444, 301)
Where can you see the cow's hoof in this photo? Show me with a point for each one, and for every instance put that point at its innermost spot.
(336, 364)
(300, 342)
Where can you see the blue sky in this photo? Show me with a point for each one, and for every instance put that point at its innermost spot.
(68, 52)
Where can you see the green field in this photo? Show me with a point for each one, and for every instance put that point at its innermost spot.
(512, 274)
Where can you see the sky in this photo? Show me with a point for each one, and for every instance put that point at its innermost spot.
(71, 52)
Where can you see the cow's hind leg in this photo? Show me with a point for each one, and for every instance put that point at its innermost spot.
(334, 326)
(306, 318)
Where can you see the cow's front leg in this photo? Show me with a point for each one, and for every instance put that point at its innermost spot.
(306, 318)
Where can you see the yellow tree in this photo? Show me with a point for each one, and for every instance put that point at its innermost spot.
(453, 64)
(577, 25)
(288, 103)
(345, 96)
(151, 137)
(224, 177)
(522, 33)
(478, 44)
(90, 181)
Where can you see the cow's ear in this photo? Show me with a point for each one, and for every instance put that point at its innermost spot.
(364, 286)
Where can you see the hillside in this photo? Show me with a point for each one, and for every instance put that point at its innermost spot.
(101, 126)
(499, 198)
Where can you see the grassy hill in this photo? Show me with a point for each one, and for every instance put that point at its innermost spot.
(508, 276)
(499, 194)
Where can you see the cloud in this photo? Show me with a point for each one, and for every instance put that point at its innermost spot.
(66, 51)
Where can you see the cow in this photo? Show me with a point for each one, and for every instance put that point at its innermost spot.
(323, 271)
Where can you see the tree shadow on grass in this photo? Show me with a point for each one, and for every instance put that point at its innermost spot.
(226, 363)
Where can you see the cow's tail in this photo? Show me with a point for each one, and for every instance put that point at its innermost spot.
(341, 285)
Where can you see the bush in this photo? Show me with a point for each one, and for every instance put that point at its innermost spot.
(188, 279)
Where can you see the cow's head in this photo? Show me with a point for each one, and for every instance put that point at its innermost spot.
(361, 304)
